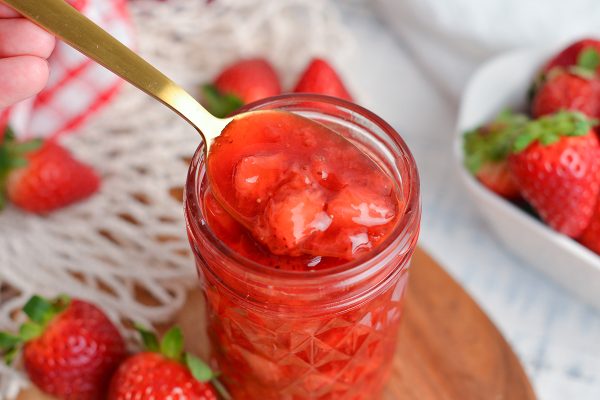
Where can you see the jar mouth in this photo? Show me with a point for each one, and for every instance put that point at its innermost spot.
(406, 226)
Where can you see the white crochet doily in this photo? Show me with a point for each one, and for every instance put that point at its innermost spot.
(130, 237)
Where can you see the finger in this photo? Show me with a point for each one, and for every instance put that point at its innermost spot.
(7, 12)
(21, 77)
(19, 37)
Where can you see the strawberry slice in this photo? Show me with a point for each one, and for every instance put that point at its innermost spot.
(556, 164)
(294, 213)
(320, 77)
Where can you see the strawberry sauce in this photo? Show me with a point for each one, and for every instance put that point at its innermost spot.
(302, 239)
(292, 194)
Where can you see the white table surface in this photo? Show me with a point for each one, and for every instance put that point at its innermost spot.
(556, 336)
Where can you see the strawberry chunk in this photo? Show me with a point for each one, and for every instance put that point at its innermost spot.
(323, 174)
(360, 206)
(256, 178)
(358, 215)
(345, 243)
(291, 216)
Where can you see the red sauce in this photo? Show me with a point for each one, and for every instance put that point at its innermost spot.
(290, 193)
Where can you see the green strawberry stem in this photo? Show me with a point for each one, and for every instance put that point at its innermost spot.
(149, 339)
(13, 156)
(588, 62)
(199, 369)
(221, 389)
(220, 104)
(491, 143)
(589, 59)
(8, 341)
(40, 312)
(550, 128)
(171, 347)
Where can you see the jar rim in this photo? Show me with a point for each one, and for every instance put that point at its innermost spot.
(193, 202)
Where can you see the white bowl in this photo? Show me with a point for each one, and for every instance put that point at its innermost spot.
(499, 84)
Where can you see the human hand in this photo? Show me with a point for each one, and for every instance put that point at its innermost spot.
(24, 48)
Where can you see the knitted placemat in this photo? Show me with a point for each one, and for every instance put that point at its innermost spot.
(130, 238)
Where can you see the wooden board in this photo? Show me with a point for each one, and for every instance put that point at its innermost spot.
(448, 348)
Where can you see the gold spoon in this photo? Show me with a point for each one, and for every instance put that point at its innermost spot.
(62, 20)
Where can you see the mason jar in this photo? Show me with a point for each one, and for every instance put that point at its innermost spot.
(319, 334)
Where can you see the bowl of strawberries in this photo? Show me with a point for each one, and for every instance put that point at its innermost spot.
(529, 154)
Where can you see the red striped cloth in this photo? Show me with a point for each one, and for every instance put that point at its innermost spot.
(77, 87)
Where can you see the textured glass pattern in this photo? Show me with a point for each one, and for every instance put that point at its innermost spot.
(265, 356)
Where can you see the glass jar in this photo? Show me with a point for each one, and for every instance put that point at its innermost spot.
(323, 334)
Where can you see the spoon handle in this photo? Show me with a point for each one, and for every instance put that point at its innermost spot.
(62, 20)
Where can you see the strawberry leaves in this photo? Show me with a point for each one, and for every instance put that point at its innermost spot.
(40, 312)
(203, 373)
(13, 156)
(589, 59)
(171, 347)
(492, 142)
(218, 103)
(9, 346)
(199, 369)
(550, 128)
(149, 339)
(512, 133)
(38, 309)
(588, 62)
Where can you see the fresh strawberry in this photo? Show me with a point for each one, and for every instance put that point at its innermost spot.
(320, 77)
(563, 90)
(240, 83)
(486, 151)
(70, 348)
(580, 52)
(42, 178)
(590, 238)
(164, 371)
(497, 178)
(556, 164)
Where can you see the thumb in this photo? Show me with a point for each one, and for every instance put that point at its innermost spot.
(21, 77)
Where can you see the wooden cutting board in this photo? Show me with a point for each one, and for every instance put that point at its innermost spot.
(448, 348)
